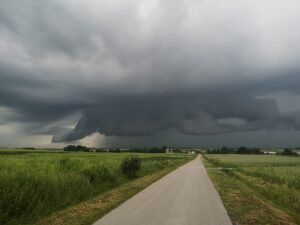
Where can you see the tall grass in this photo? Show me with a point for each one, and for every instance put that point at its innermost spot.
(37, 184)
(254, 160)
(288, 176)
(275, 178)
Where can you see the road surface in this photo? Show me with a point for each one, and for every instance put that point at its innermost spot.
(186, 196)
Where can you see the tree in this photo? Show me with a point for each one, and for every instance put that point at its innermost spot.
(76, 148)
(256, 151)
(288, 151)
(243, 150)
(155, 150)
(226, 150)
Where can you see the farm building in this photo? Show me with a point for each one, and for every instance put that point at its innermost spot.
(270, 153)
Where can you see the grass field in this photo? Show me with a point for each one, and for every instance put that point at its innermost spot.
(258, 189)
(35, 184)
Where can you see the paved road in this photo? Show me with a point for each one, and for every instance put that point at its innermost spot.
(184, 197)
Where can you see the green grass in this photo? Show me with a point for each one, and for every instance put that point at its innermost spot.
(36, 184)
(254, 160)
(87, 212)
(270, 183)
(13, 151)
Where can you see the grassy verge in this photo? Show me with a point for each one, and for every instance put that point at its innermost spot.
(37, 184)
(251, 197)
(89, 211)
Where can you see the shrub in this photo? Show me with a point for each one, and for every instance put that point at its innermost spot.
(130, 166)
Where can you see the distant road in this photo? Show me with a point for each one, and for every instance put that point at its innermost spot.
(184, 197)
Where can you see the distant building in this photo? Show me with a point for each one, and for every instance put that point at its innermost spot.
(270, 153)
(182, 150)
(169, 150)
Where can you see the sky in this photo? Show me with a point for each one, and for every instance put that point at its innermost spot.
(149, 72)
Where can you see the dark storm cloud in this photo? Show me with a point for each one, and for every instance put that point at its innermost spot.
(140, 67)
(198, 116)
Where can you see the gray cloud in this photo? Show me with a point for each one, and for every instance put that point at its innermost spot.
(198, 116)
(141, 67)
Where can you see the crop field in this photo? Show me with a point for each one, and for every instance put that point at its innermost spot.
(258, 189)
(36, 184)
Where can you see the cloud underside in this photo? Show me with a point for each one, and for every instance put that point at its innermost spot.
(188, 116)
(141, 67)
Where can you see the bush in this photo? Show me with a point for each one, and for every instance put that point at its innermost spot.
(130, 166)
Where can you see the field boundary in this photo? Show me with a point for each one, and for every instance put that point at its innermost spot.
(248, 198)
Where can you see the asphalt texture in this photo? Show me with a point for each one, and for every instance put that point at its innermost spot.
(185, 196)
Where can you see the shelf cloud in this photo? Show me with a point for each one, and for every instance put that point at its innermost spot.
(137, 68)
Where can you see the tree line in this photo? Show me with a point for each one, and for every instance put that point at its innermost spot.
(81, 148)
(246, 150)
